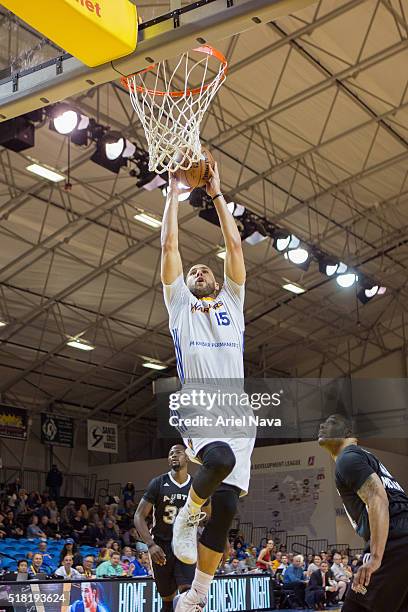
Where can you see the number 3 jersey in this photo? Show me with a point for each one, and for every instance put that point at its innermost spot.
(208, 333)
(167, 497)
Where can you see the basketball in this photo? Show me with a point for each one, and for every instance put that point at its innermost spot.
(199, 173)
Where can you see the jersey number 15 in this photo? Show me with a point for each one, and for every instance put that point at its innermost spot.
(222, 318)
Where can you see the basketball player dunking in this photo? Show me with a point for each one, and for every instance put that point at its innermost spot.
(207, 325)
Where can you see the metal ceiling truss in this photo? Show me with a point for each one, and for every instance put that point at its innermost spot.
(340, 339)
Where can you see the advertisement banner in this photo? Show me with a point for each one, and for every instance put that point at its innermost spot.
(13, 422)
(102, 436)
(227, 593)
(57, 430)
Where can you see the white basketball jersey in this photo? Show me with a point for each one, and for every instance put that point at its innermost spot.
(208, 333)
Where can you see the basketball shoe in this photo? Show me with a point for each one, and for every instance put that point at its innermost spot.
(189, 602)
(184, 541)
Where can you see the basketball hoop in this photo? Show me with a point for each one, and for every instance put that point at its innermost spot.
(171, 117)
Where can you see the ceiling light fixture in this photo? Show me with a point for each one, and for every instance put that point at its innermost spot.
(346, 280)
(46, 172)
(222, 254)
(148, 220)
(79, 343)
(294, 288)
(153, 365)
(66, 121)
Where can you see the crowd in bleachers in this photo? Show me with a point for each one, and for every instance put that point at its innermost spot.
(317, 581)
(44, 538)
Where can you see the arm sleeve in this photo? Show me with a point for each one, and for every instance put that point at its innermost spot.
(152, 492)
(175, 294)
(235, 291)
(354, 469)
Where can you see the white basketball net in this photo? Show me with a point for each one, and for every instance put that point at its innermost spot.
(172, 122)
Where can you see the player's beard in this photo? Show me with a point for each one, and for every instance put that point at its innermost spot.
(203, 290)
(176, 467)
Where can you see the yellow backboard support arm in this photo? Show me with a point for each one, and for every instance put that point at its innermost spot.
(93, 31)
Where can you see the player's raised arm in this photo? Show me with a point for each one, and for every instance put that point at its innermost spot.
(373, 494)
(171, 266)
(234, 260)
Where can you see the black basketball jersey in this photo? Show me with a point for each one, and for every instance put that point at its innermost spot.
(353, 466)
(167, 497)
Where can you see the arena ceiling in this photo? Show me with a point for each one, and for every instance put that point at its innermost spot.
(310, 130)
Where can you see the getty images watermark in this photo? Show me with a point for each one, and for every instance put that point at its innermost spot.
(222, 409)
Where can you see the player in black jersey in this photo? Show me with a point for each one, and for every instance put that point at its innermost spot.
(165, 495)
(378, 509)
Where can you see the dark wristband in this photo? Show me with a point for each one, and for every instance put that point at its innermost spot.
(219, 195)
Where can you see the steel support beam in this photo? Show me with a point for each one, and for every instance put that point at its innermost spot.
(158, 39)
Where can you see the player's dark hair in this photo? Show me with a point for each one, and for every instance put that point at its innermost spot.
(344, 423)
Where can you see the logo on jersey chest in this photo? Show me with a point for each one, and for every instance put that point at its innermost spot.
(174, 497)
(206, 308)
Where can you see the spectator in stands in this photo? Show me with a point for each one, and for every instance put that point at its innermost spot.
(21, 503)
(341, 575)
(48, 560)
(130, 538)
(96, 533)
(111, 531)
(54, 513)
(128, 492)
(314, 565)
(346, 564)
(321, 588)
(241, 552)
(294, 579)
(283, 566)
(323, 555)
(33, 501)
(277, 561)
(113, 567)
(113, 545)
(235, 567)
(103, 555)
(3, 528)
(22, 568)
(250, 561)
(13, 529)
(126, 516)
(79, 526)
(70, 548)
(37, 566)
(144, 560)
(67, 514)
(34, 530)
(54, 482)
(85, 512)
(266, 557)
(93, 513)
(48, 528)
(14, 487)
(127, 554)
(88, 566)
(66, 571)
(43, 510)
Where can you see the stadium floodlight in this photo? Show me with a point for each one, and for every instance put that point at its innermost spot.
(283, 241)
(298, 256)
(68, 120)
(346, 280)
(370, 290)
(331, 266)
(293, 288)
(117, 146)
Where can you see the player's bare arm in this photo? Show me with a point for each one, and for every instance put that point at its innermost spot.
(234, 259)
(143, 510)
(171, 266)
(373, 494)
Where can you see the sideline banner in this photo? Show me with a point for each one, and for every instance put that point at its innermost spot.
(102, 436)
(227, 594)
(13, 422)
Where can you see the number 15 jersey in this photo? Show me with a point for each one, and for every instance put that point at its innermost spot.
(208, 333)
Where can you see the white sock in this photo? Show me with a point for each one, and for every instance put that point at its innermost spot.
(201, 583)
(191, 506)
